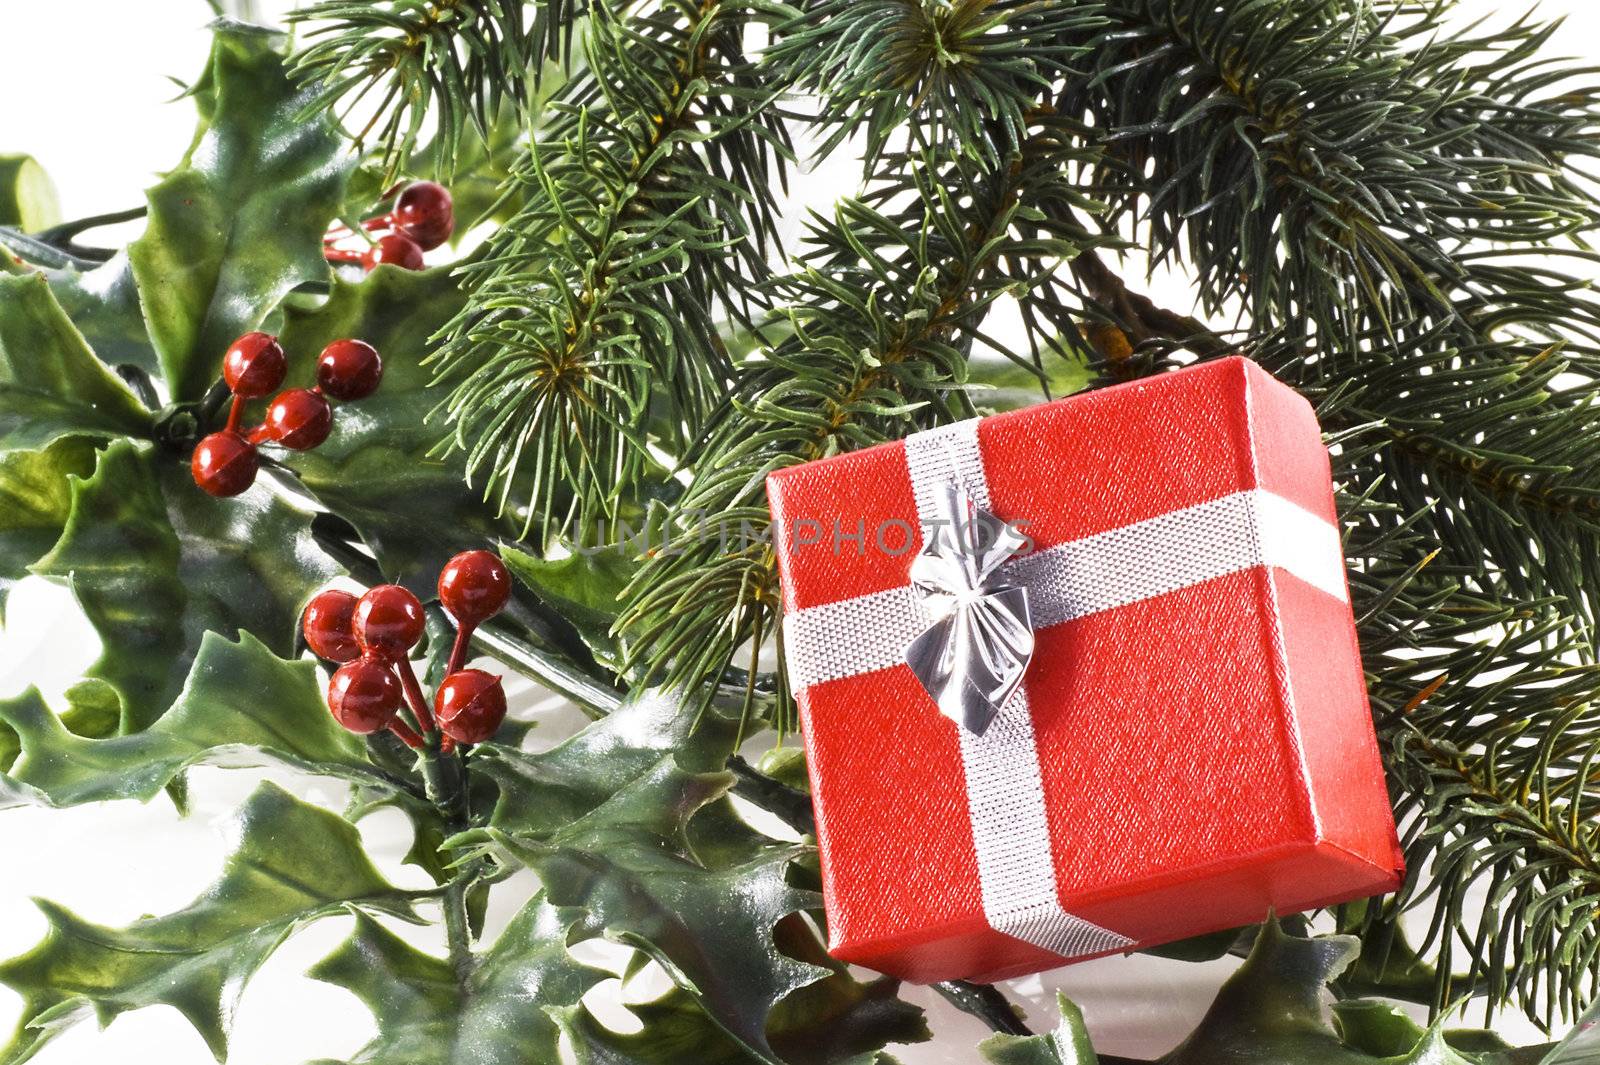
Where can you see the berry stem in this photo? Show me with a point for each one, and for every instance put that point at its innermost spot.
(414, 693)
(341, 231)
(342, 255)
(407, 734)
(258, 435)
(235, 414)
(458, 650)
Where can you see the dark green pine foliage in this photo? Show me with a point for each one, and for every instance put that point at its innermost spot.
(591, 320)
(1387, 210)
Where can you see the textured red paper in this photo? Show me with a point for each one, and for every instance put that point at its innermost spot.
(1207, 755)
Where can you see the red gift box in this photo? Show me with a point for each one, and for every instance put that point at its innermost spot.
(1191, 746)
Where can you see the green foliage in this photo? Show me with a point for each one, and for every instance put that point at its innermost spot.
(241, 705)
(646, 202)
(455, 63)
(53, 387)
(427, 1014)
(634, 342)
(27, 195)
(240, 223)
(156, 565)
(198, 959)
(1270, 1012)
(966, 75)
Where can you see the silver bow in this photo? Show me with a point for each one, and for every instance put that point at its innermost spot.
(972, 658)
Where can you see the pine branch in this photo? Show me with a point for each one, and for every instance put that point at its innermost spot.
(959, 77)
(1323, 163)
(880, 323)
(596, 300)
(454, 62)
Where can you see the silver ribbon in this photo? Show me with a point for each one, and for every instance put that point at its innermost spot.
(972, 658)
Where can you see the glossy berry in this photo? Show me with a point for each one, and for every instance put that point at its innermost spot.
(364, 695)
(328, 623)
(470, 705)
(299, 419)
(388, 620)
(395, 248)
(349, 369)
(254, 365)
(474, 586)
(425, 214)
(224, 464)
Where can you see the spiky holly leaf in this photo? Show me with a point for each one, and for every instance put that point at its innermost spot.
(242, 705)
(241, 222)
(292, 864)
(629, 820)
(156, 563)
(629, 865)
(491, 1013)
(51, 385)
(835, 1021)
(377, 469)
(1272, 1011)
(1067, 1045)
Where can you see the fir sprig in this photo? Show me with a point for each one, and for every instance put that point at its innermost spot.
(962, 74)
(1324, 164)
(453, 63)
(879, 322)
(598, 299)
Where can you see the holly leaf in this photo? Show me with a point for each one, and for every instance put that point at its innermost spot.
(51, 384)
(242, 705)
(35, 499)
(293, 863)
(628, 865)
(676, 1031)
(27, 195)
(584, 588)
(104, 304)
(539, 793)
(156, 563)
(377, 469)
(240, 223)
(493, 1012)
(1067, 1045)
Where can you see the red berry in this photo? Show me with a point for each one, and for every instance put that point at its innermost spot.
(395, 248)
(473, 586)
(224, 464)
(349, 369)
(328, 625)
(254, 365)
(299, 419)
(364, 695)
(470, 705)
(388, 620)
(425, 214)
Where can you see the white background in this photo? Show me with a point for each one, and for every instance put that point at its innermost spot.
(86, 92)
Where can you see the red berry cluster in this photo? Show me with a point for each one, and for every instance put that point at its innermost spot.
(373, 636)
(225, 463)
(423, 218)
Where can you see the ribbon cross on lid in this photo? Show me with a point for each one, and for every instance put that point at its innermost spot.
(971, 659)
